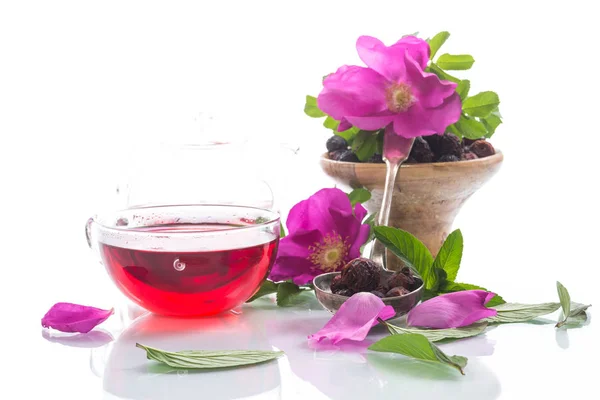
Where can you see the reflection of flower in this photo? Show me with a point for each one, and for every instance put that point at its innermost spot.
(325, 232)
(355, 318)
(393, 91)
(452, 310)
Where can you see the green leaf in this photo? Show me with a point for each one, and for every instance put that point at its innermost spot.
(463, 88)
(410, 250)
(450, 255)
(491, 123)
(371, 221)
(379, 149)
(331, 123)
(565, 302)
(202, 359)
(417, 346)
(455, 62)
(455, 131)
(471, 128)
(481, 105)
(282, 233)
(436, 42)
(287, 293)
(435, 335)
(451, 287)
(433, 68)
(349, 134)
(517, 312)
(266, 288)
(359, 195)
(311, 109)
(365, 145)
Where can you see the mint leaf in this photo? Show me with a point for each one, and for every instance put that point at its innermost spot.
(565, 302)
(311, 109)
(451, 287)
(517, 312)
(266, 288)
(436, 42)
(455, 62)
(433, 68)
(491, 123)
(417, 346)
(331, 123)
(450, 255)
(365, 145)
(282, 233)
(287, 293)
(463, 88)
(435, 335)
(208, 359)
(410, 250)
(359, 195)
(481, 105)
(470, 128)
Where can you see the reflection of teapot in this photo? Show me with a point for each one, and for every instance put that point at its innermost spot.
(128, 374)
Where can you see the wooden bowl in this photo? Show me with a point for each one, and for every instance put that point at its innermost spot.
(332, 302)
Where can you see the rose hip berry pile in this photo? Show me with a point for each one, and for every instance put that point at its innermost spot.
(363, 275)
(427, 149)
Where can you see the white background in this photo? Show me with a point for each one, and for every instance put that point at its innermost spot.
(84, 84)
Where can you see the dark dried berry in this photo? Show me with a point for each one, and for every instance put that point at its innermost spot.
(407, 271)
(345, 292)
(377, 293)
(401, 280)
(361, 275)
(397, 291)
(410, 160)
(449, 145)
(376, 158)
(434, 143)
(336, 284)
(469, 156)
(467, 142)
(482, 148)
(347, 156)
(448, 158)
(421, 152)
(336, 143)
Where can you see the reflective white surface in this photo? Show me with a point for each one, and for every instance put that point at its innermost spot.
(509, 361)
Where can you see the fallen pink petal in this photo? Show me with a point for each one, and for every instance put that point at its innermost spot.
(452, 310)
(354, 319)
(69, 317)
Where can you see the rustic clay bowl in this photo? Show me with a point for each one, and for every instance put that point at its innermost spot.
(427, 197)
(332, 302)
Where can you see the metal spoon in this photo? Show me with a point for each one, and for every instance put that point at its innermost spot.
(396, 150)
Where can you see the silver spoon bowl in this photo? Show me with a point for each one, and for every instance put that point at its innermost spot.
(332, 302)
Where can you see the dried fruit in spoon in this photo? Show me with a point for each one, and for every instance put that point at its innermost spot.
(361, 275)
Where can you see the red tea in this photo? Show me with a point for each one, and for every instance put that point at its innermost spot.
(193, 281)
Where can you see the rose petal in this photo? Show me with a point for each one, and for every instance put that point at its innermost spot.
(352, 90)
(69, 317)
(429, 90)
(420, 121)
(354, 319)
(452, 310)
(389, 61)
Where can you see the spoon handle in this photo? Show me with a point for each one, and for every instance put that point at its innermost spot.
(396, 150)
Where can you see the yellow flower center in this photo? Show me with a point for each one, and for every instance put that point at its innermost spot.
(399, 97)
(329, 254)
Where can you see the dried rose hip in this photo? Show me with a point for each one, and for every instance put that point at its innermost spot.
(421, 152)
(469, 156)
(336, 284)
(377, 293)
(448, 158)
(361, 275)
(450, 145)
(482, 148)
(336, 143)
(401, 280)
(376, 158)
(397, 291)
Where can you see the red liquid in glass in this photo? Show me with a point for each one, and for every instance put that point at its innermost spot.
(209, 283)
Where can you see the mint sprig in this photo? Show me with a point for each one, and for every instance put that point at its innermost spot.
(438, 274)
